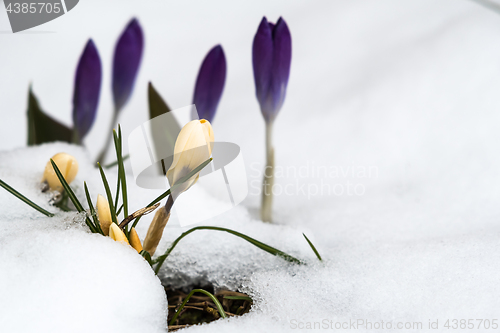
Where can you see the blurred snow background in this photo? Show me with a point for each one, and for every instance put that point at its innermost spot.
(407, 89)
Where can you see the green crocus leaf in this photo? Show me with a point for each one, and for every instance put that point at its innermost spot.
(41, 127)
(164, 130)
(157, 106)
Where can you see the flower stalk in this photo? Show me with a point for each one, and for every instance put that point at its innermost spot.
(266, 212)
(271, 57)
(126, 62)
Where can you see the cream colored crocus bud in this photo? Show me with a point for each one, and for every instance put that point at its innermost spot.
(192, 147)
(117, 234)
(104, 214)
(135, 242)
(155, 231)
(68, 166)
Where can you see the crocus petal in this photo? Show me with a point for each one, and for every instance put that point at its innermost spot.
(155, 230)
(262, 58)
(126, 61)
(282, 57)
(208, 133)
(104, 214)
(68, 166)
(192, 147)
(182, 140)
(87, 89)
(135, 242)
(210, 83)
(117, 234)
(271, 56)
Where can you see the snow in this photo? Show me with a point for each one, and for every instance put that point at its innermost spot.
(55, 275)
(403, 93)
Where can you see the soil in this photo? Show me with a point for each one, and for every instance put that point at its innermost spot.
(201, 309)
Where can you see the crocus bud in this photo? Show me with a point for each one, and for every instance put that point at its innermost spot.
(68, 166)
(117, 234)
(135, 242)
(155, 230)
(192, 147)
(210, 83)
(86, 92)
(126, 61)
(104, 214)
(271, 56)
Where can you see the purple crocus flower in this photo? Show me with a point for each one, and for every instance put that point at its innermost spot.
(271, 56)
(126, 61)
(86, 92)
(210, 83)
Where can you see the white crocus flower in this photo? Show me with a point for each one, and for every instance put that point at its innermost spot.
(192, 147)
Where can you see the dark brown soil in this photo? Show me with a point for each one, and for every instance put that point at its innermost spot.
(201, 309)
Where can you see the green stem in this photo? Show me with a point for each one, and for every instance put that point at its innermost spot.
(161, 259)
(212, 297)
(76, 137)
(24, 199)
